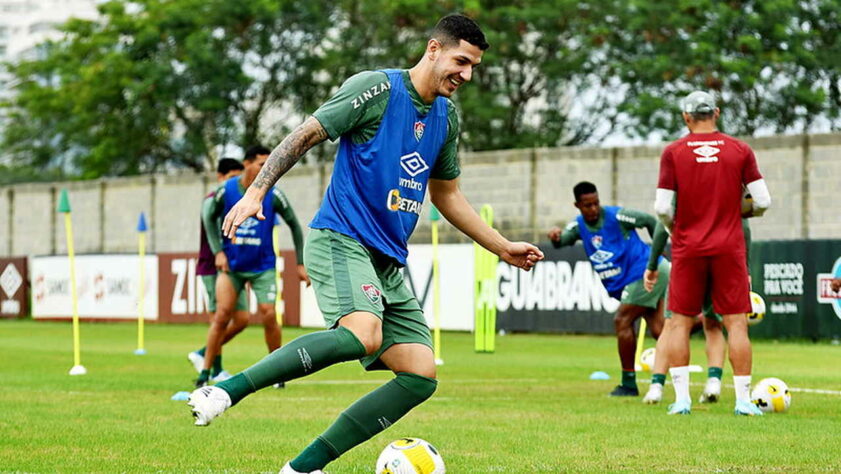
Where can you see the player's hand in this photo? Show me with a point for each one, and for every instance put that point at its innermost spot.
(649, 279)
(302, 275)
(554, 234)
(246, 207)
(222, 262)
(521, 255)
(835, 284)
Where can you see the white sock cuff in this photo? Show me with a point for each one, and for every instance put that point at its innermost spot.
(742, 386)
(683, 370)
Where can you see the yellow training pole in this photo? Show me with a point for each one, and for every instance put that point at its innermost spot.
(640, 343)
(64, 208)
(278, 301)
(436, 289)
(141, 229)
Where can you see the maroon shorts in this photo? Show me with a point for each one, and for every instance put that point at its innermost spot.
(724, 276)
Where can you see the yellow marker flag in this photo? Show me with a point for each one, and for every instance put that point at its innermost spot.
(64, 208)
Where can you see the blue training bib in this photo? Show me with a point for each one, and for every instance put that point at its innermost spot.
(251, 250)
(618, 260)
(377, 188)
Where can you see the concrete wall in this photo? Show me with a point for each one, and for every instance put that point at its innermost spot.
(5, 221)
(824, 181)
(530, 190)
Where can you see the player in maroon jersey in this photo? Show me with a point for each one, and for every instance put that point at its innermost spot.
(699, 200)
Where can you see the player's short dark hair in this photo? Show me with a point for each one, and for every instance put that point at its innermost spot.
(455, 27)
(582, 188)
(701, 116)
(255, 150)
(226, 165)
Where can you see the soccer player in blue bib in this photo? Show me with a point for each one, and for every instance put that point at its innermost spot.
(399, 135)
(619, 257)
(247, 257)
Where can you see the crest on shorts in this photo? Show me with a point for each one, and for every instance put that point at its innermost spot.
(596, 240)
(372, 293)
(419, 126)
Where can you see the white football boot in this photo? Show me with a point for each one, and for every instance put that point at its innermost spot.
(197, 360)
(654, 395)
(712, 391)
(207, 403)
(287, 469)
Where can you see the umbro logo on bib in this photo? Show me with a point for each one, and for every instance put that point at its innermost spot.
(413, 164)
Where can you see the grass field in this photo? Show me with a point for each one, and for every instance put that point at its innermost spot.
(528, 408)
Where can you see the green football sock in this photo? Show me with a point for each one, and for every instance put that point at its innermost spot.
(201, 351)
(217, 366)
(204, 376)
(715, 372)
(365, 418)
(629, 378)
(658, 378)
(303, 356)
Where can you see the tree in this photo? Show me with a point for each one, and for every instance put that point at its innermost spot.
(157, 84)
(769, 61)
(520, 95)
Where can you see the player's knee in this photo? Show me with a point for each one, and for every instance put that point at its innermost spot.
(623, 321)
(371, 340)
(240, 320)
(221, 319)
(420, 386)
(736, 323)
(367, 328)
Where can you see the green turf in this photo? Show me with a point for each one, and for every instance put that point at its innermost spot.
(527, 408)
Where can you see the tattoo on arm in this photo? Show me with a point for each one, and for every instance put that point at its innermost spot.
(290, 150)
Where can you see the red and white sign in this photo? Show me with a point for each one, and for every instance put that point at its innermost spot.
(107, 286)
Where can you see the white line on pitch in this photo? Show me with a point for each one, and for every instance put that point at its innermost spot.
(382, 381)
(790, 389)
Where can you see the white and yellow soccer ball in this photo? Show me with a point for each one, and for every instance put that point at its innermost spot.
(757, 312)
(647, 359)
(410, 456)
(771, 395)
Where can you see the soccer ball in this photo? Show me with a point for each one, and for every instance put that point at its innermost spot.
(647, 359)
(757, 311)
(771, 395)
(410, 456)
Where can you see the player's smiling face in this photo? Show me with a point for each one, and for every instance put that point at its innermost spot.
(590, 207)
(454, 66)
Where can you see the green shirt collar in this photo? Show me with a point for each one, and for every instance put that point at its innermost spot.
(599, 223)
(417, 101)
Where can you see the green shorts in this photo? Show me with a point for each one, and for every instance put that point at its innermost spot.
(348, 277)
(263, 284)
(635, 293)
(210, 287)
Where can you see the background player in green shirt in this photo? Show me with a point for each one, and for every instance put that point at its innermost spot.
(206, 268)
(601, 224)
(229, 284)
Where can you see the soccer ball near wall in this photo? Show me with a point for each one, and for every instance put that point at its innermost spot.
(771, 395)
(410, 456)
(757, 311)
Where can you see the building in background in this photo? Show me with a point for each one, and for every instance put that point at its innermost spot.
(26, 23)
